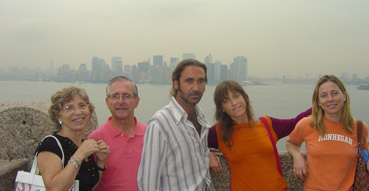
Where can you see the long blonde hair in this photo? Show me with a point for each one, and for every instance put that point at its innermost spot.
(317, 114)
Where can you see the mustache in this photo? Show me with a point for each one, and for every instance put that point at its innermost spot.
(195, 93)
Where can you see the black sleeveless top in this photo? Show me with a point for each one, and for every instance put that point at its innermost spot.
(88, 174)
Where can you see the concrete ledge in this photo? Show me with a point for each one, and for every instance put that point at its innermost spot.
(8, 172)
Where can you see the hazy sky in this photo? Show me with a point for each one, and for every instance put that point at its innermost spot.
(279, 37)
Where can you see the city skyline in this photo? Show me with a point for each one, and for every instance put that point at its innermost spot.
(279, 38)
(158, 71)
(169, 61)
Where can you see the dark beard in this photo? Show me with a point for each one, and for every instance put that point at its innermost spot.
(187, 99)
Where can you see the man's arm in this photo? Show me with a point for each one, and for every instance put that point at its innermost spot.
(153, 158)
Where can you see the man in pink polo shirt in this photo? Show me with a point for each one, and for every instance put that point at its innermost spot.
(124, 134)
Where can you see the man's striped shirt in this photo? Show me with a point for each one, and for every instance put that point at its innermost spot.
(174, 156)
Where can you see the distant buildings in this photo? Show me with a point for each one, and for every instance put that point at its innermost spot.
(173, 62)
(117, 66)
(238, 69)
(83, 74)
(157, 72)
(100, 71)
(189, 56)
(143, 72)
(217, 71)
(157, 60)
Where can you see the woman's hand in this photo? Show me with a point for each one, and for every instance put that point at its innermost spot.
(300, 169)
(87, 148)
(299, 166)
(103, 152)
(214, 163)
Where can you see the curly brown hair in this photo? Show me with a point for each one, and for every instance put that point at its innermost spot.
(63, 96)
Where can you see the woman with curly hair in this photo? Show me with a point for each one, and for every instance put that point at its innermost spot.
(71, 110)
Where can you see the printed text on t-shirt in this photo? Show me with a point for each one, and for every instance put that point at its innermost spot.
(336, 137)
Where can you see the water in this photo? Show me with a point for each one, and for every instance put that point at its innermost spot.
(280, 101)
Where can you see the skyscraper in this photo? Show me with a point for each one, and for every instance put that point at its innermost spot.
(157, 60)
(223, 72)
(127, 70)
(143, 71)
(238, 69)
(217, 71)
(173, 62)
(210, 73)
(208, 59)
(83, 73)
(117, 66)
(100, 71)
(189, 56)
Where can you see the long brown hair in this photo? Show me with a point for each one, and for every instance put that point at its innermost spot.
(317, 114)
(224, 121)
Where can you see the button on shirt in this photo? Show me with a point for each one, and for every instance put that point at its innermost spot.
(174, 156)
(124, 158)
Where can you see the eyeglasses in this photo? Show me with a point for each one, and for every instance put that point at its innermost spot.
(72, 108)
(125, 96)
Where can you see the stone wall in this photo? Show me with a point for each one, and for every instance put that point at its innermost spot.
(8, 172)
(24, 124)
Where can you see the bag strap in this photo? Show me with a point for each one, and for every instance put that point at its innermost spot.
(278, 161)
(34, 168)
(359, 135)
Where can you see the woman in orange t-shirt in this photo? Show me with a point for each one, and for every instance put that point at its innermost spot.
(330, 138)
(246, 142)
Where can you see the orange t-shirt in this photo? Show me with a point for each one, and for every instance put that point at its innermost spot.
(251, 160)
(331, 159)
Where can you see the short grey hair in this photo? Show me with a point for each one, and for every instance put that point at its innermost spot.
(121, 78)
